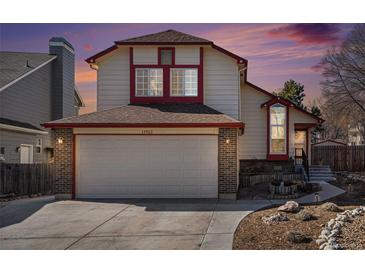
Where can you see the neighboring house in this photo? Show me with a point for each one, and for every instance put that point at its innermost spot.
(35, 88)
(355, 135)
(330, 142)
(176, 117)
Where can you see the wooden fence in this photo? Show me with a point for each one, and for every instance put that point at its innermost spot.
(26, 179)
(247, 180)
(340, 158)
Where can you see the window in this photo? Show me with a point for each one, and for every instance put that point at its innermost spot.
(2, 150)
(149, 82)
(38, 147)
(166, 57)
(278, 129)
(184, 82)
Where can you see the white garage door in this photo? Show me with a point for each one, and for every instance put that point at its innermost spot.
(154, 166)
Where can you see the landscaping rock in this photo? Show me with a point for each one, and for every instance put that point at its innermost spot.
(290, 206)
(304, 215)
(331, 207)
(297, 238)
(274, 219)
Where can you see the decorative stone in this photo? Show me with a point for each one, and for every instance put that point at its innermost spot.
(290, 206)
(297, 238)
(304, 215)
(274, 219)
(331, 207)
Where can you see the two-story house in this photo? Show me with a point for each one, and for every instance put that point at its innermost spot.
(176, 117)
(35, 88)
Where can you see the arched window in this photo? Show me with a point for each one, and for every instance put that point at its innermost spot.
(278, 120)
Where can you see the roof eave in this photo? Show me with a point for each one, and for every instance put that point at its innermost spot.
(154, 125)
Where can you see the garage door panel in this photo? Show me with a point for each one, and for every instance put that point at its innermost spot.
(120, 166)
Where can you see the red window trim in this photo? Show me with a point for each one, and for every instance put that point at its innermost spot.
(166, 98)
(166, 48)
(277, 157)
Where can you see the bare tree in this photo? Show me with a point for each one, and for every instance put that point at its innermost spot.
(344, 72)
(344, 84)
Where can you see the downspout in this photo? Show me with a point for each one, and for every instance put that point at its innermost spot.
(239, 93)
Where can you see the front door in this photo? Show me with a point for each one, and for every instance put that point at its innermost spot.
(26, 154)
(300, 145)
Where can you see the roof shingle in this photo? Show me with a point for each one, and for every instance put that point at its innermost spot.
(168, 36)
(153, 114)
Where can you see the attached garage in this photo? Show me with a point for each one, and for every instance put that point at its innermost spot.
(137, 166)
(147, 151)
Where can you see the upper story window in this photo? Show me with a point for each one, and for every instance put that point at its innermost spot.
(149, 82)
(166, 56)
(184, 82)
(278, 129)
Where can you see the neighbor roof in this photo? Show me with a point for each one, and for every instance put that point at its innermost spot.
(14, 65)
(168, 36)
(14, 123)
(153, 115)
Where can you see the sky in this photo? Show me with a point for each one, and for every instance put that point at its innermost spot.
(275, 52)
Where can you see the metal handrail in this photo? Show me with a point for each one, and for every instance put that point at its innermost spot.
(305, 163)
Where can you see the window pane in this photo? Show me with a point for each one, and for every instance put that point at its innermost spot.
(277, 114)
(166, 57)
(149, 82)
(277, 132)
(278, 146)
(184, 82)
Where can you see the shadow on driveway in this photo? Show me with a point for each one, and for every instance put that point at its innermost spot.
(19, 210)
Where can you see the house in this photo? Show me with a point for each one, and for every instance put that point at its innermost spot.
(356, 134)
(35, 88)
(176, 118)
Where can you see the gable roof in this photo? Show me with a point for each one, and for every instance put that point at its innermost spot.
(275, 98)
(165, 37)
(330, 141)
(151, 115)
(168, 37)
(20, 126)
(16, 65)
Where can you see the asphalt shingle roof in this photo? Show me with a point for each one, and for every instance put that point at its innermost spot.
(168, 36)
(150, 114)
(18, 124)
(14, 64)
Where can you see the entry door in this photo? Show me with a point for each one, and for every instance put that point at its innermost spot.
(26, 154)
(300, 144)
(153, 166)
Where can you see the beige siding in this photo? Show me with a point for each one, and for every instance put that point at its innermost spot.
(253, 144)
(221, 82)
(187, 55)
(113, 80)
(145, 55)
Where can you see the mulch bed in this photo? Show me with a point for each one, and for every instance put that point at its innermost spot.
(252, 233)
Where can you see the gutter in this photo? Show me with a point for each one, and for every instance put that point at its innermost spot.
(23, 129)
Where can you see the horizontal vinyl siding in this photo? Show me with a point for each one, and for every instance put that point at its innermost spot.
(252, 144)
(144, 55)
(187, 55)
(221, 82)
(113, 80)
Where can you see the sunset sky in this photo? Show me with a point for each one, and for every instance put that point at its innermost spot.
(275, 52)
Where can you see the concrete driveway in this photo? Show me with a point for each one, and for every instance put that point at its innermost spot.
(43, 223)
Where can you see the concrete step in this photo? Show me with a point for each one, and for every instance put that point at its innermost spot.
(327, 179)
(321, 173)
(318, 166)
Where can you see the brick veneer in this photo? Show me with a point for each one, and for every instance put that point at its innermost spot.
(227, 163)
(63, 163)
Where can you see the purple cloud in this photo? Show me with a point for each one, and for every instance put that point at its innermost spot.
(308, 33)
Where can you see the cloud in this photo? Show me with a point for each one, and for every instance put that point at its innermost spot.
(317, 68)
(87, 47)
(308, 33)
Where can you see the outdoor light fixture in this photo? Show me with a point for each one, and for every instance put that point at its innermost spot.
(60, 140)
(317, 197)
(228, 141)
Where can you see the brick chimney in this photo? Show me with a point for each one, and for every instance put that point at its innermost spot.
(63, 78)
